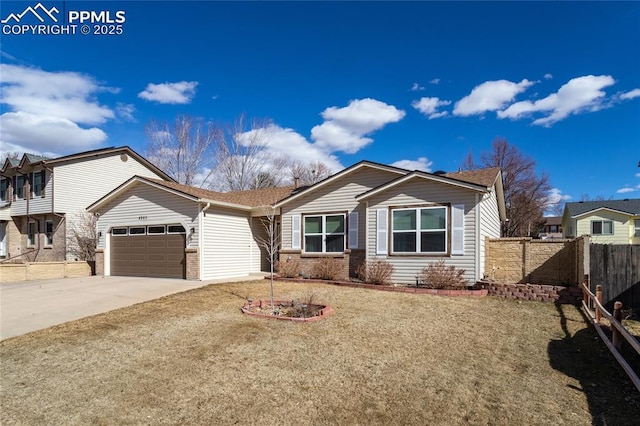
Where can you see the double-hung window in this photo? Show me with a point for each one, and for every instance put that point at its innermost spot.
(419, 230)
(4, 190)
(48, 228)
(36, 184)
(324, 233)
(19, 190)
(601, 227)
(636, 228)
(31, 234)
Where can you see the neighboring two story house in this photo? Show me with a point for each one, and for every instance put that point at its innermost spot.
(41, 197)
(607, 221)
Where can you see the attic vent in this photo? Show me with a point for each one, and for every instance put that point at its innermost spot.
(124, 158)
(439, 172)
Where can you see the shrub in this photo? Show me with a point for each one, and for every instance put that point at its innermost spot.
(375, 272)
(328, 268)
(438, 275)
(288, 269)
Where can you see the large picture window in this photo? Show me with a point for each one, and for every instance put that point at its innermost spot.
(324, 233)
(419, 230)
(601, 227)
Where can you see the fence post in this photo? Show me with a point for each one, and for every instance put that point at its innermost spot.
(599, 297)
(585, 296)
(615, 334)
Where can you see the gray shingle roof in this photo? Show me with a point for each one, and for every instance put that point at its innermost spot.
(630, 206)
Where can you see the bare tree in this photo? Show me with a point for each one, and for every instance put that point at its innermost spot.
(184, 149)
(310, 173)
(270, 241)
(526, 193)
(82, 237)
(244, 158)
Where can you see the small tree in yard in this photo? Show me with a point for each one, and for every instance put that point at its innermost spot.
(438, 275)
(270, 242)
(82, 237)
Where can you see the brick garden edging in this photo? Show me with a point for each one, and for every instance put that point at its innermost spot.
(324, 312)
(397, 289)
(543, 293)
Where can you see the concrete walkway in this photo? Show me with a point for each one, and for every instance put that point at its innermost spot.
(34, 305)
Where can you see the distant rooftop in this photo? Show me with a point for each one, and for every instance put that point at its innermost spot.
(628, 205)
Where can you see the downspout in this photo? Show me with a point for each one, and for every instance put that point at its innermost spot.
(479, 252)
(201, 240)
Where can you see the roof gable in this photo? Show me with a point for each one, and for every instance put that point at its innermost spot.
(626, 206)
(340, 175)
(29, 160)
(476, 180)
(242, 200)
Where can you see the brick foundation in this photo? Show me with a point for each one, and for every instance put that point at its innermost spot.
(192, 269)
(99, 262)
(307, 261)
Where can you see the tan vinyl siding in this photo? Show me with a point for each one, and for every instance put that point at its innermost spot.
(227, 244)
(420, 192)
(259, 255)
(78, 184)
(489, 223)
(339, 196)
(146, 205)
(620, 227)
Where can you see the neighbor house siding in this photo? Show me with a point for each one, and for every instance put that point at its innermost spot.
(417, 193)
(489, 224)
(620, 227)
(338, 196)
(227, 244)
(37, 204)
(79, 183)
(146, 205)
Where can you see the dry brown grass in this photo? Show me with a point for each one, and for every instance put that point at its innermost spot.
(381, 358)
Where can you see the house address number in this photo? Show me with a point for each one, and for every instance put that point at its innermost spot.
(142, 218)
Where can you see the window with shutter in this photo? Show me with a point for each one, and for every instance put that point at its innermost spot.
(381, 231)
(353, 230)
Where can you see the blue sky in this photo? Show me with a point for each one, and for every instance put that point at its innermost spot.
(415, 84)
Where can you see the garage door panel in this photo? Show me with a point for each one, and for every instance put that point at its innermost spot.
(156, 255)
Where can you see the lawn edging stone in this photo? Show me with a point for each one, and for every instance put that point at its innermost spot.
(325, 311)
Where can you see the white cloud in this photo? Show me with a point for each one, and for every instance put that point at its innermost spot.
(548, 76)
(422, 163)
(638, 175)
(38, 133)
(345, 129)
(630, 94)
(180, 92)
(51, 109)
(66, 95)
(435, 81)
(416, 88)
(429, 107)
(577, 95)
(489, 96)
(556, 197)
(627, 189)
(125, 111)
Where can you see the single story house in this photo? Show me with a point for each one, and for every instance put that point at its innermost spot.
(367, 211)
(606, 221)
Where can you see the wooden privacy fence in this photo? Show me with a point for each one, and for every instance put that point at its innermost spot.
(617, 268)
(593, 306)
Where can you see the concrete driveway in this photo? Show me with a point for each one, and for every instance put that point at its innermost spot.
(34, 305)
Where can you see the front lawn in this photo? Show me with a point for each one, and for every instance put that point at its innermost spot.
(381, 358)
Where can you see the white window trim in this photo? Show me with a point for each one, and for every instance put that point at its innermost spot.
(636, 229)
(418, 231)
(324, 234)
